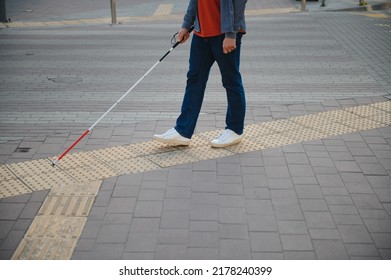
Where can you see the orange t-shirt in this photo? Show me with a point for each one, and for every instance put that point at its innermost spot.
(209, 18)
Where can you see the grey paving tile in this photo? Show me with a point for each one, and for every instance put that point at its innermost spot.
(385, 254)
(114, 233)
(204, 212)
(379, 181)
(261, 223)
(171, 252)
(354, 234)
(324, 234)
(232, 215)
(316, 205)
(119, 205)
(330, 250)
(148, 209)
(267, 256)
(292, 227)
(382, 240)
(11, 211)
(233, 231)
(378, 225)
(296, 242)
(366, 201)
(203, 253)
(145, 225)
(204, 226)
(106, 252)
(265, 242)
(299, 255)
(138, 256)
(175, 219)
(5, 228)
(141, 242)
(309, 191)
(173, 236)
(203, 239)
(117, 218)
(233, 249)
(12, 240)
(362, 250)
(347, 219)
(316, 220)
(125, 191)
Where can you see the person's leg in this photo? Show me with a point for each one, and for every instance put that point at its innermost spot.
(200, 62)
(232, 81)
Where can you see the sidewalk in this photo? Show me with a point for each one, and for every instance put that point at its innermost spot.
(312, 180)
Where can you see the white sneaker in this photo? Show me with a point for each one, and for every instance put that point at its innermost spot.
(227, 138)
(172, 136)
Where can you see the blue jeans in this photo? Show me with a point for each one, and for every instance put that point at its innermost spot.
(203, 53)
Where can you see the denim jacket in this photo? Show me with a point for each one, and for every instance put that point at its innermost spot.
(232, 17)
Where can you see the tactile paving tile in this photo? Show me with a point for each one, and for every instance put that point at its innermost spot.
(275, 140)
(73, 206)
(45, 181)
(151, 147)
(384, 118)
(364, 111)
(385, 106)
(332, 129)
(245, 146)
(45, 249)
(362, 124)
(56, 227)
(12, 188)
(77, 160)
(210, 135)
(30, 168)
(197, 141)
(86, 189)
(171, 158)
(114, 153)
(6, 174)
(207, 152)
(317, 119)
(304, 134)
(257, 130)
(133, 165)
(282, 125)
(95, 172)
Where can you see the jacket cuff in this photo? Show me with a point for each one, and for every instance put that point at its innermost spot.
(230, 35)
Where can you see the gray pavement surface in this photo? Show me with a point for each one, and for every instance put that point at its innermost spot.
(323, 199)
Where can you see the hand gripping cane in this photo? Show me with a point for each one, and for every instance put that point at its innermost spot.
(116, 103)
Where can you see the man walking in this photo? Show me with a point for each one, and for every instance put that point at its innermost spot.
(219, 27)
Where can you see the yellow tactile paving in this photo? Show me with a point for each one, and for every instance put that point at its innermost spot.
(13, 187)
(6, 174)
(23, 177)
(45, 249)
(30, 168)
(54, 232)
(74, 206)
(44, 181)
(56, 227)
(59, 223)
(93, 172)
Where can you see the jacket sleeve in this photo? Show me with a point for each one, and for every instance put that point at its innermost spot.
(190, 15)
(237, 17)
